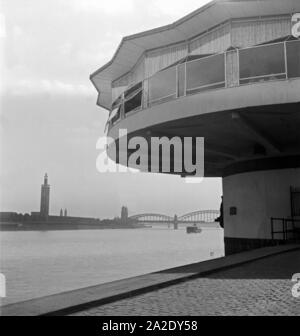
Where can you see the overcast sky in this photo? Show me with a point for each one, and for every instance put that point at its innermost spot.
(49, 118)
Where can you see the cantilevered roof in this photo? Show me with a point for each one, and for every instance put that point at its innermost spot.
(214, 13)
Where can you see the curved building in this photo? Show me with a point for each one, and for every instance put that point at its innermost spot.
(228, 72)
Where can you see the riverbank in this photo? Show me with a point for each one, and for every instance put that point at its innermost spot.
(93, 300)
(39, 226)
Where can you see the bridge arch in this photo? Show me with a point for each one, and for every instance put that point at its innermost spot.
(207, 216)
(152, 217)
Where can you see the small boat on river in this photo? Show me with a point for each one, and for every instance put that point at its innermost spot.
(193, 229)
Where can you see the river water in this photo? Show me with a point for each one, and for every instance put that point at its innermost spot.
(37, 264)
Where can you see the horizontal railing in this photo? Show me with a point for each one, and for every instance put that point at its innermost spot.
(287, 228)
(263, 63)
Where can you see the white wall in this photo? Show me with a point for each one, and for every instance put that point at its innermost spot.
(248, 33)
(162, 58)
(258, 196)
(215, 41)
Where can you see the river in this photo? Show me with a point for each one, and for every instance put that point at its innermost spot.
(37, 264)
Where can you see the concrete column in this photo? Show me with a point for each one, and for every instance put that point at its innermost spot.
(251, 199)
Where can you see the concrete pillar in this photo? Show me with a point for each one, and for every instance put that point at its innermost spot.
(250, 200)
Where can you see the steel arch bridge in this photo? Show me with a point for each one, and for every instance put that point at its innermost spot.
(152, 218)
(206, 216)
(203, 216)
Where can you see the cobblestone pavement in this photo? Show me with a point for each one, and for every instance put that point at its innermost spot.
(258, 288)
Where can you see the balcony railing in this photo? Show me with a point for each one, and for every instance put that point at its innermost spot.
(269, 62)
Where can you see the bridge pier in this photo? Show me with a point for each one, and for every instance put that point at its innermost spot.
(175, 222)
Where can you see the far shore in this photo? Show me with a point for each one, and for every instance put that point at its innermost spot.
(36, 226)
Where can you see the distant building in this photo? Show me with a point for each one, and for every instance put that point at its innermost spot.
(61, 213)
(124, 214)
(7, 216)
(66, 213)
(45, 198)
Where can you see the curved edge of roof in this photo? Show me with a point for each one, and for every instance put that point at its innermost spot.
(156, 30)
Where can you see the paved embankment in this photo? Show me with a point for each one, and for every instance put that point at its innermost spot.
(172, 292)
(261, 288)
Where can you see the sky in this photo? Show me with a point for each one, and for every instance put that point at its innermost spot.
(49, 118)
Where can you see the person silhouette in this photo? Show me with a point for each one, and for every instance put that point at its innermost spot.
(221, 218)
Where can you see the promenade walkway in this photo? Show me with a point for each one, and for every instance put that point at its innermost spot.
(260, 287)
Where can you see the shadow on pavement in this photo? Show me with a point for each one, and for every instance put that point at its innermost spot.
(282, 266)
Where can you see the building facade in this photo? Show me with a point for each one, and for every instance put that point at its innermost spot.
(230, 73)
(124, 215)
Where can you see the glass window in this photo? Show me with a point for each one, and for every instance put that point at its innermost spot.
(293, 58)
(133, 90)
(266, 62)
(133, 103)
(181, 80)
(162, 85)
(205, 72)
(117, 102)
(117, 115)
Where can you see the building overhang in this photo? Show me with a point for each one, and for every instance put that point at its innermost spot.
(245, 123)
(203, 19)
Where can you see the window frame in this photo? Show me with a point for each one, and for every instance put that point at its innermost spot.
(205, 87)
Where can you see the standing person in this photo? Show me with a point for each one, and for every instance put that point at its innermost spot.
(221, 218)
